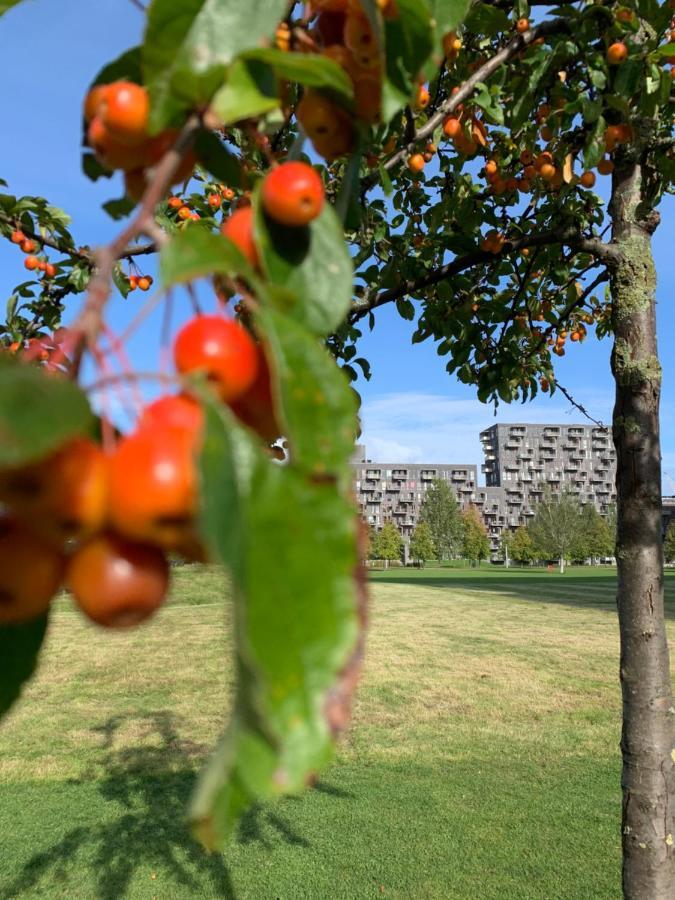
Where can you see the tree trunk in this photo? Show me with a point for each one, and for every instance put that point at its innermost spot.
(561, 563)
(648, 820)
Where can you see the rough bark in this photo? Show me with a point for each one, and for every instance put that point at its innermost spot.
(648, 820)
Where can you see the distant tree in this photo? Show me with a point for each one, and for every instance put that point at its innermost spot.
(475, 540)
(520, 546)
(440, 511)
(610, 518)
(669, 543)
(555, 527)
(369, 549)
(388, 544)
(422, 545)
(594, 537)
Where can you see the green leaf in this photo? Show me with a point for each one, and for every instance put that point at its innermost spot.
(93, 169)
(295, 626)
(11, 308)
(527, 94)
(317, 407)
(120, 280)
(197, 253)
(188, 48)
(19, 649)
(348, 206)
(126, 67)
(227, 458)
(214, 156)
(311, 263)
(486, 19)
(313, 71)
(38, 413)
(250, 91)
(595, 145)
(409, 40)
(120, 208)
(7, 4)
(489, 104)
(629, 77)
(448, 15)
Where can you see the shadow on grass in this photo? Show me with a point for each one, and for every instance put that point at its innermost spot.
(151, 785)
(589, 592)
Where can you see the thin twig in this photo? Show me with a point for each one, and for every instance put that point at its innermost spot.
(581, 408)
(514, 46)
(88, 324)
(103, 383)
(605, 252)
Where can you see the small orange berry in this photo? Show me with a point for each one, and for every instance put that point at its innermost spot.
(617, 53)
(416, 163)
(293, 194)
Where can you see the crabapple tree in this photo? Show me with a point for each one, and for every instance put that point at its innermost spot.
(314, 162)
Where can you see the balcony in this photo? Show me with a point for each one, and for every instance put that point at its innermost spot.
(373, 475)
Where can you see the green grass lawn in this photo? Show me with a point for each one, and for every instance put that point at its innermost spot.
(482, 763)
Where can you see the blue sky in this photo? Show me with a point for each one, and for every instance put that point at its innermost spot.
(413, 411)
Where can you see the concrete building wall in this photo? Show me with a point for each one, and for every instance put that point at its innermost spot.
(524, 461)
(395, 491)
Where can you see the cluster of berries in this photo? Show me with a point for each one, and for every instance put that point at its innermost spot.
(182, 210)
(117, 130)
(142, 282)
(32, 262)
(292, 195)
(343, 32)
(102, 522)
(44, 350)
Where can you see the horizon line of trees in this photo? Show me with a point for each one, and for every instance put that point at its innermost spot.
(563, 529)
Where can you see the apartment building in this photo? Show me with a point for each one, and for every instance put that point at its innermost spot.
(394, 492)
(521, 463)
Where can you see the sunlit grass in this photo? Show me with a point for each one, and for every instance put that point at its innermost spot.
(483, 760)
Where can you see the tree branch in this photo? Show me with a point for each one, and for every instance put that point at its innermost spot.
(514, 46)
(62, 246)
(88, 324)
(604, 252)
(581, 408)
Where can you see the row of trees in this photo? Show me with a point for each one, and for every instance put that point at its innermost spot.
(564, 530)
(443, 532)
(669, 544)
